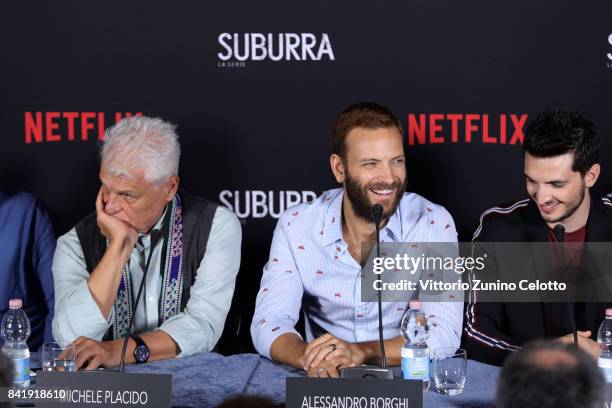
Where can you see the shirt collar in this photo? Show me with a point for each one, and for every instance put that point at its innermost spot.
(394, 226)
(332, 223)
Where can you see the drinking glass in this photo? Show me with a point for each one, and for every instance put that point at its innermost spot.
(450, 370)
(59, 356)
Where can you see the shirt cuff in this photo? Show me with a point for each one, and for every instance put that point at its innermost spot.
(187, 334)
(268, 332)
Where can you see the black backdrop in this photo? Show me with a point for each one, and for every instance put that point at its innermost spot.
(260, 128)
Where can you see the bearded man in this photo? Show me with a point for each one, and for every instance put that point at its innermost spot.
(314, 263)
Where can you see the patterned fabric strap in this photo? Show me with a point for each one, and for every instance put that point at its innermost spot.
(172, 279)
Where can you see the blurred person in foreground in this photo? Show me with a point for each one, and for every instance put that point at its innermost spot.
(248, 401)
(550, 374)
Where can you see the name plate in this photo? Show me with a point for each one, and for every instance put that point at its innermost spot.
(353, 393)
(103, 389)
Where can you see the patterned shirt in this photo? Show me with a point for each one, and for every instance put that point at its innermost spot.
(311, 269)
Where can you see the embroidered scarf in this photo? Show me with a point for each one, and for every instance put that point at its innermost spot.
(172, 279)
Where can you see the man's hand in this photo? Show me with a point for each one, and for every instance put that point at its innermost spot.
(115, 230)
(331, 353)
(584, 342)
(325, 369)
(91, 354)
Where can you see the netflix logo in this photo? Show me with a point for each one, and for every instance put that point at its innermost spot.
(47, 127)
(435, 128)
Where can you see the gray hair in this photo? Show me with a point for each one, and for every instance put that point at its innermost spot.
(141, 143)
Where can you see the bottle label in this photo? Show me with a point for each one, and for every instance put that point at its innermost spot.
(605, 365)
(415, 368)
(22, 369)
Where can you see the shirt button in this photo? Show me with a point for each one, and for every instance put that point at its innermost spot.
(150, 299)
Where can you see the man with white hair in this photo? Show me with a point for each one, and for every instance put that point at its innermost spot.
(143, 222)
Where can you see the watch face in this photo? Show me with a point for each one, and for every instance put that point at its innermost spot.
(141, 353)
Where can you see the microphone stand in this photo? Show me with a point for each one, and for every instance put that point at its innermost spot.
(560, 235)
(155, 235)
(366, 371)
(377, 211)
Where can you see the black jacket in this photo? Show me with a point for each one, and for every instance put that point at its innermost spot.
(493, 330)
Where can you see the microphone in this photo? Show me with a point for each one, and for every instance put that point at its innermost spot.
(155, 236)
(559, 231)
(377, 212)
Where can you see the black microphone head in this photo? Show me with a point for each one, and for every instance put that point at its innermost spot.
(559, 231)
(377, 212)
(155, 235)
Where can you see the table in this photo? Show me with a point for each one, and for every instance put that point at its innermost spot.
(206, 379)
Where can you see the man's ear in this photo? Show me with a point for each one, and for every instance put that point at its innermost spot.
(171, 187)
(337, 167)
(591, 175)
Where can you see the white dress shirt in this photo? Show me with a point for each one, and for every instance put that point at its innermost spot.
(311, 269)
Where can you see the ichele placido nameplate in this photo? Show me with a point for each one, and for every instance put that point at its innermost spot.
(106, 389)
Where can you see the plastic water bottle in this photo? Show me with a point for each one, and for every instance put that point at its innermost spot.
(604, 338)
(15, 330)
(415, 354)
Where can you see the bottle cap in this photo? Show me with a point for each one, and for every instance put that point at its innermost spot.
(416, 304)
(16, 304)
(609, 312)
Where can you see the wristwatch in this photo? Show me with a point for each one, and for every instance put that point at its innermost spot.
(141, 352)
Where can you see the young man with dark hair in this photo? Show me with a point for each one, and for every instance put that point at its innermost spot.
(561, 152)
(315, 258)
(550, 374)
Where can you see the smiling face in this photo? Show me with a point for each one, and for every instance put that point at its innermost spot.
(135, 201)
(558, 191)
(374, 172)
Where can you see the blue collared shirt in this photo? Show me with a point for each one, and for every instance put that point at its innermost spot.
(27, 243)
(311, 269)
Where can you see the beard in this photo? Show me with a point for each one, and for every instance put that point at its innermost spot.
(360, 202)
(570, 210)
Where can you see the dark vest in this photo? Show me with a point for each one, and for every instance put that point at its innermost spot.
(198, 215)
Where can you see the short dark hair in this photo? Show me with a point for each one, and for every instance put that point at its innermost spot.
(557, 132)
(248, 401)
(367, 115)
(550, 374)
